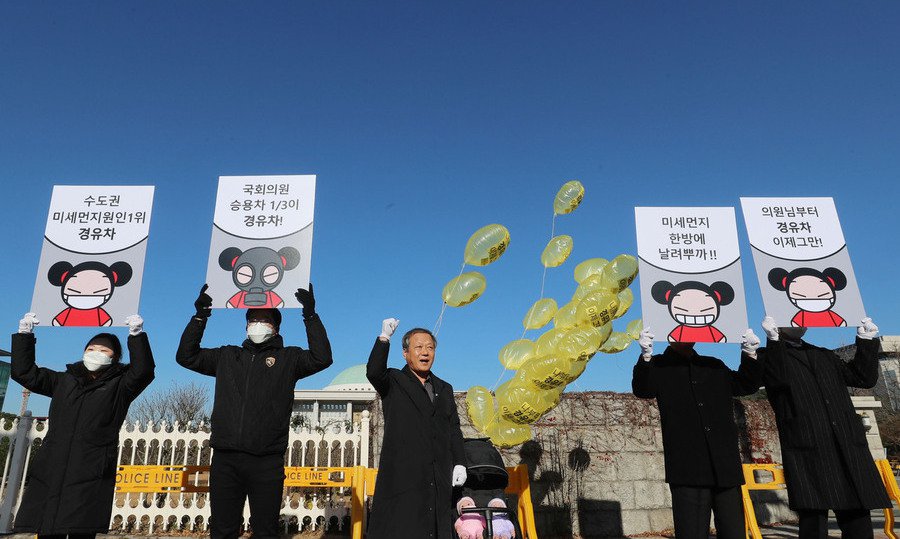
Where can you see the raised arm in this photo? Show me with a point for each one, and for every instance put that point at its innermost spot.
(24, 370)
(376, 367)
(862, 370)
(318, 357)
(749, 376)
(141, 365)
(189, 354)
(643, 384)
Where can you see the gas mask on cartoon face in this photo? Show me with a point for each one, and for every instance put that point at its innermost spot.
(258, 270)
(259, 332)
(85, 302)
(94, 359)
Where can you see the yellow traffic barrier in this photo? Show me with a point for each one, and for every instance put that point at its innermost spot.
(360, 481)
(893, 491)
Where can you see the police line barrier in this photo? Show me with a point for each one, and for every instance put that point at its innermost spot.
(754, 480)
(359, 479)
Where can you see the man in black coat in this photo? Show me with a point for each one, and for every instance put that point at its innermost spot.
(700, 438)
(252, 410)
(72, 478)
(827, 463)
(422, 455)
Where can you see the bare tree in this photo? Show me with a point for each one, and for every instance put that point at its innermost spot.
(184, 403)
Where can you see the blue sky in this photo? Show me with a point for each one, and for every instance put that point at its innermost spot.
(425, 121)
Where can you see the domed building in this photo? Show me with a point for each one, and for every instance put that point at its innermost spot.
(348, 394)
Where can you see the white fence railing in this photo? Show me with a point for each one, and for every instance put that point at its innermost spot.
(339, 444)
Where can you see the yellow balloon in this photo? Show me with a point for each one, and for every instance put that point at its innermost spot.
(557, 251)
(486, 245)
(597, 308)
(464, 289)
(565, 316)
(520, 404)
(515, 353)
(591, 266)
(576, 371)
(634, 328)
(579, 344)
(480, 406)
(592, 283)
(568, 197)
(544, 372)
(603, 332)
(546, 343)
(540, 313)
(507, 434)
(616, 343)
(626, 298)
(620, 272)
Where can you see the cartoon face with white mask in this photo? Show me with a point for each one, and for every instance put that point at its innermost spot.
(85, 288)
(813, 292)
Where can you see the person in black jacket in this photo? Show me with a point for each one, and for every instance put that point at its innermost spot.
(252, 410)
(422, 456)
(827, 463)
(72, 478)
(700, 439)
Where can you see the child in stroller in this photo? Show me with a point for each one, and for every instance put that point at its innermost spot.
(483, 506)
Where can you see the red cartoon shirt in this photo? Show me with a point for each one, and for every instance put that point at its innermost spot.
(273, 300)
(82, 317)
(826, 319)
(696, 334)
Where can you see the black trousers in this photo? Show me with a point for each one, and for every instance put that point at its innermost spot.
(235, 477)
(854, 523)
(692, 506)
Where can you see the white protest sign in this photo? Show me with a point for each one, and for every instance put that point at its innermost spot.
(692, 289)
(261, 243)
(92, 260)
(802, 262)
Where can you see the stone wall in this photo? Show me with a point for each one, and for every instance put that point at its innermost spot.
(597, 469)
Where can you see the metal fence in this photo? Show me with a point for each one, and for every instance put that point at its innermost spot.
(343, 444)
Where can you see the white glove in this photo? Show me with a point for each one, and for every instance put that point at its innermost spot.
(749, 343)
(27, 323)
(866, 330)
(770, 327)
(459, 475)
(388, 327)
(646, 342)
(135, 324)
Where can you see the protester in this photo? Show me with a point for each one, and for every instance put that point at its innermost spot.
(700, 438)
(422, 455)
(827, 463)
(72, 477)
(251, 413)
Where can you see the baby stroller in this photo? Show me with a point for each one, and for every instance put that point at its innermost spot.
(483, 501)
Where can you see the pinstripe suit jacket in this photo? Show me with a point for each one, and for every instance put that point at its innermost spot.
(826, 458)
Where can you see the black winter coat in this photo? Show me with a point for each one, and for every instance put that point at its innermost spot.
(73, 475)
(422, 443)
(694, 394)
(827, 463)
(254, 384)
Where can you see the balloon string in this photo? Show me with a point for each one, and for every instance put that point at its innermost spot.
(440, 319)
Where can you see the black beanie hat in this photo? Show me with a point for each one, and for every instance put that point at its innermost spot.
(273, 314)
(110, 341)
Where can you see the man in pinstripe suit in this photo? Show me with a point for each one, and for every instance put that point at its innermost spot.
(827, 464)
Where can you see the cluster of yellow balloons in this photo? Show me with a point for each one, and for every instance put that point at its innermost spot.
(486, 245)
(581, 328)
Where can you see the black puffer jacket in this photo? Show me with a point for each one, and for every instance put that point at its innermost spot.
(254, 384)
(71, 480)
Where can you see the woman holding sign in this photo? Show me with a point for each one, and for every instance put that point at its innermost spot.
(72, 479)
(700, 438)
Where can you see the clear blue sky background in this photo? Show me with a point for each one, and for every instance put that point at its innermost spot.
(427, 120)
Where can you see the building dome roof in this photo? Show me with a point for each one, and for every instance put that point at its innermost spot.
(351, 379)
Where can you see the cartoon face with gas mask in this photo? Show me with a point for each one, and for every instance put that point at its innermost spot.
(85, 288)
(813, 292)
(256, 272)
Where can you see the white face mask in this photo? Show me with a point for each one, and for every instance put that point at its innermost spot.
(93, 360)
(85, 302)
(259, 332)
(814, 305)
